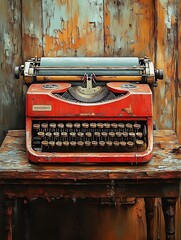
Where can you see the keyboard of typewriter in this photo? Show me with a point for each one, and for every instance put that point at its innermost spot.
(120, 136)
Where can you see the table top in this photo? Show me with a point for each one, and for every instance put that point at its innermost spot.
(165, 163)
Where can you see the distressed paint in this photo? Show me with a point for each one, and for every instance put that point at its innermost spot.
(73, 28)
(11, 104)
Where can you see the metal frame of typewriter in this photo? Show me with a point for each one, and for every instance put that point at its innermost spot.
(64, 94)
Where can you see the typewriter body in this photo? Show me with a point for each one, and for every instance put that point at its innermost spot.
(89, 110)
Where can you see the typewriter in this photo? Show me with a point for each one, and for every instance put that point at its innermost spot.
(89, 109)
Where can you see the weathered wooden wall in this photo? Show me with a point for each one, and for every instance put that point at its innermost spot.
(94, 28)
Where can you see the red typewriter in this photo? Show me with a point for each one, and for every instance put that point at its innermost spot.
(89, 109)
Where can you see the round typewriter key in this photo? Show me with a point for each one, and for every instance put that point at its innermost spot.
(73, 143)
(102, 143)
(36, 126)
(87, 143)
(118, 134)
(76, 125)
(44, 125)
(104, 134)
(80, 134)
(109, 143)
(93, 125)
(125, 134)
(94, 143)
(52, 125)
(60, 125)
(116, 143)
(121, 125)
(56, 134)
(72, 134)
(139, 143)
(137, 126)
(114, 125)
(41, 134)
(85, 125)
(51, 143)
(139, 134)
(66, 143)
(100, 125)
(48, 134)
(58, 143)
(111, 134)
(80, 143)
(88, 134)
(69, 125)
(130, 144)
(97, 134)
(129, 125)
(64, 134)
(44, 143)
(131, 134)
(123, 144)
(107, 125)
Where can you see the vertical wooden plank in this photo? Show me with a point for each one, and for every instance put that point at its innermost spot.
(178, 120)
(73, 28)
(31, 29)
(11, 111)
(129, 28)
(166, 57)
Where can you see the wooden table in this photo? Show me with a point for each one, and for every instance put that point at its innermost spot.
(159, 178)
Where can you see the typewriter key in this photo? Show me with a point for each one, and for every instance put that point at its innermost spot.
(123, 144)
(97, 134)
(56, 134)
(58, 143)
(69, 125)
(130, 144)
(100, 125)
(131, 134)
(41, 134)
(104, 134)
(76, 125)
(44, 125)
(102, 143)
(111, 134)
(88, 134)
(48, 134)
(80, 134)
(94, 143)
(139, 143)
(137, 126)
(64, 134)
(52, 125)
(139, 134)
(118, 134)
(114, 125)
(72, 134)
(93, 125)
(36, 126)
(60, 125)
(51, 143)
(80, 143)
(85, 125)
(73, 143)
(129, 125)
(116, 143)
(87, 143)
(44, 143)
(121, 125)
(66, 143)
(107, 125)
(109, 143)
(125, 134)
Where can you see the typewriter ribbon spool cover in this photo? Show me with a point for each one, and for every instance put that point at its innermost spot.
(89, 109)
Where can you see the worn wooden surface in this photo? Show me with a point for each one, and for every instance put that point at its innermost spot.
(91, 28)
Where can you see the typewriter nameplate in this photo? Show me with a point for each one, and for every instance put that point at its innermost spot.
(40, 108)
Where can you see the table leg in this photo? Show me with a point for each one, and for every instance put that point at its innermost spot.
(7, 218)
(149, 208)
(169, 205)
